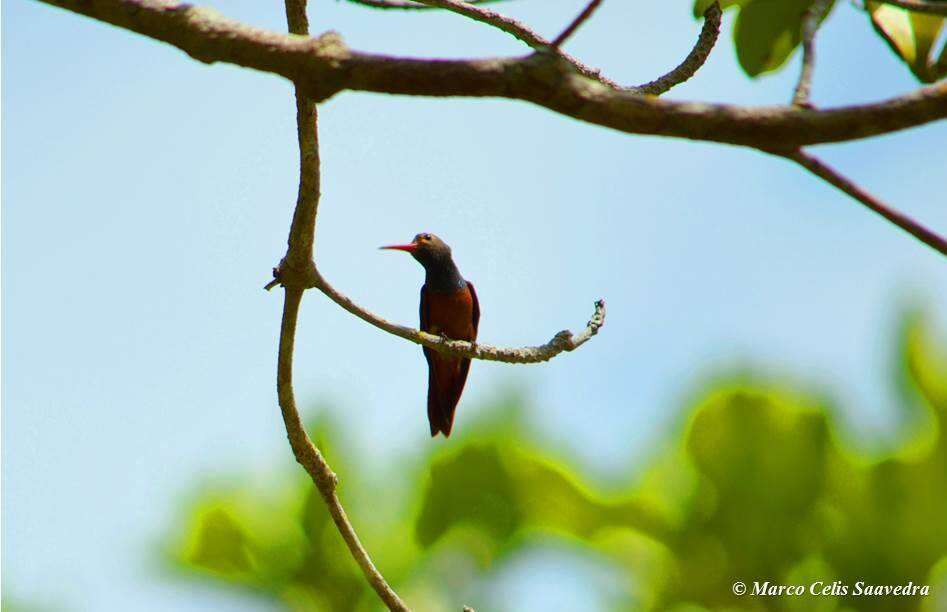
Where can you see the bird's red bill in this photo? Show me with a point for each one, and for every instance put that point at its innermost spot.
(410, 248)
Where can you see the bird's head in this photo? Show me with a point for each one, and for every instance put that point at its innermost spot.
(426, 248)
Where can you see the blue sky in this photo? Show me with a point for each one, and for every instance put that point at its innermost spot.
(146, 197)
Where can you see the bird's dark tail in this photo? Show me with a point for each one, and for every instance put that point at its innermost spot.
(446, 380)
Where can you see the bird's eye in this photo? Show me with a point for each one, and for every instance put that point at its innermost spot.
(425, 236)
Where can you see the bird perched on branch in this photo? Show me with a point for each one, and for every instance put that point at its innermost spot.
(449, 307)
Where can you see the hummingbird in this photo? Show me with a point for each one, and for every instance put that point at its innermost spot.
(449, 307)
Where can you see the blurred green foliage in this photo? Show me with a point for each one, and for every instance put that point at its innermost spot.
(10, 603)
(768, 31)
(759, 484)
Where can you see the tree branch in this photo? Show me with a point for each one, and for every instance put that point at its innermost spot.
(810, 25)
(563, 341)
(324, 66)
(919, 6)
(407, 5)
(694, 60)
(578, 21)
(299, 257)
(830, 175)
(312, 460)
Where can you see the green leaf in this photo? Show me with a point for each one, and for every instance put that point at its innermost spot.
(766, 33)
(910, 35)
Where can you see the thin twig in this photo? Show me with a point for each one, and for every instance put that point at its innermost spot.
(408, 5)
(919, 6)
(578, 21)
(694, 60)
(810, 25)
(519, 31)
(299, 255)
(524, 33)
(830, 175)
(511, 26)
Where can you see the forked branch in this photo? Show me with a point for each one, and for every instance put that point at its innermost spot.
(298, 272)
(298, 254)
(563, 341)
(324, 66)
(684, 71)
